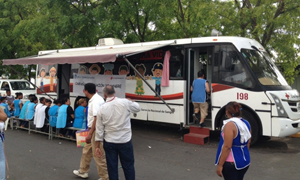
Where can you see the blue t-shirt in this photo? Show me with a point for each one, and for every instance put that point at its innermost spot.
(62, 116)
(157, 80)
(53, 111)
(30, 111)
(23, 110)
(17, 107)
(6, 109)
(199, 93)
(80, 119)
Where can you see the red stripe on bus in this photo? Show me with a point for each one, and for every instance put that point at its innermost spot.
(220, 87)
(147, 97)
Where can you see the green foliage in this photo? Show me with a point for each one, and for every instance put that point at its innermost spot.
(27, 27)
(187, 18)
(275, 24)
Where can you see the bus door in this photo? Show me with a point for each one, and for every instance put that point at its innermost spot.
(199, 58)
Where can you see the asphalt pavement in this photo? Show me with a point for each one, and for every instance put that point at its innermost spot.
(160, 154)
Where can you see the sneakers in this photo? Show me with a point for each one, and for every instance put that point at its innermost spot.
(82, 175)
(202, 125)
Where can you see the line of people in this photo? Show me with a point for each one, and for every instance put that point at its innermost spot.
(59, 116)
(108, 124)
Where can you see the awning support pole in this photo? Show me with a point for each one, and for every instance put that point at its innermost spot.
(136, 71)
(29, 81)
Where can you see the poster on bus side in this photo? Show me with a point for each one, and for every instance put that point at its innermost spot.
(46, 79)
(117, 81)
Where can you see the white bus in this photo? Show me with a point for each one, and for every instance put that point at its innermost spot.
(237, 69)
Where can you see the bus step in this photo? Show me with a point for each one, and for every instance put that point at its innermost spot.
(197, 135)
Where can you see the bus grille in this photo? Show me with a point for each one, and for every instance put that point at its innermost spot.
(294, 105)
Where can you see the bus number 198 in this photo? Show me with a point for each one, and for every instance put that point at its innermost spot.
(242, 96)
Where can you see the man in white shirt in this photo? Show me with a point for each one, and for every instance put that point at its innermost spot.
(113, 128)
(95, 101)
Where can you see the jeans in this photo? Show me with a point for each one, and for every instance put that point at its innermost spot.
(125, 152)
(231, 173)
(157, 89)
(2, 161)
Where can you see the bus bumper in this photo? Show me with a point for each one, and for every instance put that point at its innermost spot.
(282, 127)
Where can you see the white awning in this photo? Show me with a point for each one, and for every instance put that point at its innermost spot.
(85, 55)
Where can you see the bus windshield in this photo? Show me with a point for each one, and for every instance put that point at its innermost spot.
(263, 67)
(21, 85)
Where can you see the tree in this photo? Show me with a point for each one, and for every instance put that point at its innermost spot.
(143, 20)
(76, 22)
(187, 18)
(273, 23)
(129, 20)
(25, 29)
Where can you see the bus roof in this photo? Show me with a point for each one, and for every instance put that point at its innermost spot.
(106, 54)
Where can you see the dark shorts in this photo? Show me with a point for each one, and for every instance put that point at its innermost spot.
(231, 173)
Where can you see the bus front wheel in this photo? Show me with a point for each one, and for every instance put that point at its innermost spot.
(255, 132)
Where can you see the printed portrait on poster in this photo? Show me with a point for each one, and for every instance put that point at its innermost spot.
(83, 70)
(108, 69)
(42, 77)
(123, 70)
(94, 69)
(46, 78)
(157, 75)
(53, 78)
(139, 90)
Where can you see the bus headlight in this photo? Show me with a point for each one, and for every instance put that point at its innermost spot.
(280, 109)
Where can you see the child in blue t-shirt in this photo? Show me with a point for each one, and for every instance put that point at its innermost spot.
(5, 106)
(80, 114)
(18, 104)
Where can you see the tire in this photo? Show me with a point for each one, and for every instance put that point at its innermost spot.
(254, 126)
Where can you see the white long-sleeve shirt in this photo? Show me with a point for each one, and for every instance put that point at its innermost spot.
(94, 105)
(113, 120)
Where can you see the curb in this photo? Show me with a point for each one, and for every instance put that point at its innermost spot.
(297, 135)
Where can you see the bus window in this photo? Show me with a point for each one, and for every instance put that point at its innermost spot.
(176, 64)
(264, 69)
(232, 71)
(215, 64)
